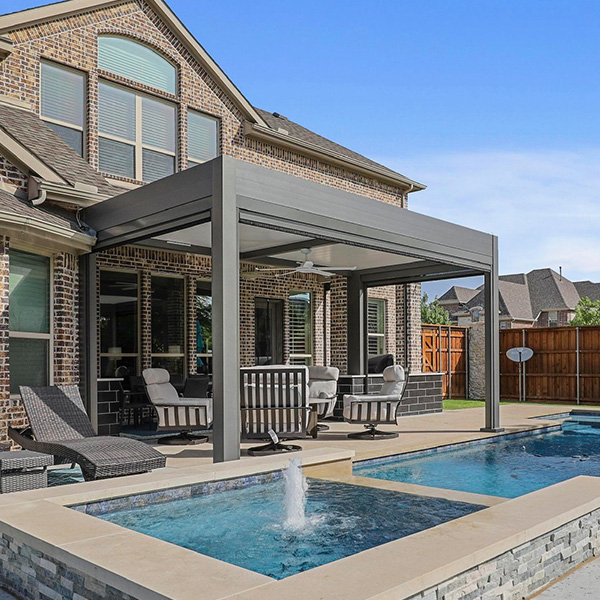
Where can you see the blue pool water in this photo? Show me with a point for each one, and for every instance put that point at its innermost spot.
(508, 468)
(244, 526)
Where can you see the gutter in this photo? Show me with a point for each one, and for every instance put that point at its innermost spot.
(79, 194)
(330, 156)
(77, 239)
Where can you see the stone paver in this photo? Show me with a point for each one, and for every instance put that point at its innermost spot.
(582, 584)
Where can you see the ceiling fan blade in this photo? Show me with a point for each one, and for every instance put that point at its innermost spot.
(337, 268)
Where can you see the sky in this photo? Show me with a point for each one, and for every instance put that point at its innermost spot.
(494, 105)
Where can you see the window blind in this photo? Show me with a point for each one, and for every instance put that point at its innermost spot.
(137, 62)
(29, 292)
(202, 137)
(116, 115)
(117, 158)
(156, 165)
(62, 94)
(73, 137)
(300, 324)
(158, 124)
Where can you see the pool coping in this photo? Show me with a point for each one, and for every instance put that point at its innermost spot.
(144, 567)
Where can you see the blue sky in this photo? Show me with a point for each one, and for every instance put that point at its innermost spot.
(495, 105)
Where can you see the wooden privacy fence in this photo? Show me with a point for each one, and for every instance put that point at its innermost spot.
(445, 350)
(565, 366)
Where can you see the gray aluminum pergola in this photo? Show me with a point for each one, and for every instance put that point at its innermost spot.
(215, 208)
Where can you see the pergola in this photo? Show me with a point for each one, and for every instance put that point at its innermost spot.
(235, 211)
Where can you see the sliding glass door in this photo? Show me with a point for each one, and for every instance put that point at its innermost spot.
(268, 332)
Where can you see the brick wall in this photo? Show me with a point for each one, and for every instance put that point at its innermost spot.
(12, 175)
(73, 41)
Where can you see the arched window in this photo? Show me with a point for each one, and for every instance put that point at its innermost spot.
(136, 61)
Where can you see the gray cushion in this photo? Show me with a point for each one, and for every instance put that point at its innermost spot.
(323, 373)
(158, 376)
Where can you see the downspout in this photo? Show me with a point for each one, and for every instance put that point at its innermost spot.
(411, 187)
(39, 199)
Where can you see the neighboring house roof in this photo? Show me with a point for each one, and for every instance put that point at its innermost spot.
(550, 291)
(259, 123)
(523, 296)
(459, 294)
(588, 289)
(29, 131)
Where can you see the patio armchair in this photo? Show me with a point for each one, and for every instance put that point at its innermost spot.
(175, 413)
(322, 393)
(377, 409)
(274, 405)
(59, 425)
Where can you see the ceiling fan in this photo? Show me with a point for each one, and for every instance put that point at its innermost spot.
(307, 267)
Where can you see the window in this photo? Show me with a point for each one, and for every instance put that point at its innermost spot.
(62, 100)
(137, 134)
(203, 308)
(29, 320)
(136, 61)
(376, 326)
(475, 316)
(203, 133)
(168, 324)
(119, 318)
(268, 331)
(552, 318)
(300, 329)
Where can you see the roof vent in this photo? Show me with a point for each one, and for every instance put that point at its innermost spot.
(278, 116)
(282, 130)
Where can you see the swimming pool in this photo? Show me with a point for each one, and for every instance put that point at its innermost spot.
(245, 526)
(506, 467)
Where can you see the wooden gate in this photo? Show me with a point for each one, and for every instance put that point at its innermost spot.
(565, 366)
(445, 350)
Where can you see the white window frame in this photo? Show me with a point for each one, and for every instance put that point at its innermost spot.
(553, 322)
(82, 128)
(311, 334)
(137, 354)
(138, 144)
(32, 335)
(380, 336)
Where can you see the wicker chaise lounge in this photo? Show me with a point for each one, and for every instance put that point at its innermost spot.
(60, 426)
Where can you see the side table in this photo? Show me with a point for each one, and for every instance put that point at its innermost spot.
(23, 470)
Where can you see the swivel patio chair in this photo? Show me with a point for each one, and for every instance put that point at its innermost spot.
(175, 413)
(274, 405)
(60, 426)
(377, 409)
(322, 393)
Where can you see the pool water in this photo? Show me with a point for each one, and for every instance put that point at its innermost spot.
(507, 468)
(244, 526)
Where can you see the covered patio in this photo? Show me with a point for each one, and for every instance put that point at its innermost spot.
(236, 211)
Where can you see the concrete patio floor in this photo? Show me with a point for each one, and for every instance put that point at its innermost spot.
(416, 433)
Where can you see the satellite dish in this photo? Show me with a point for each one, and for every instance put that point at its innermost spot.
(520, 354)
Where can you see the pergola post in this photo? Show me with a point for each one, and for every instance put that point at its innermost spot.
(492, 344)
(356, 302)
(225, 315)
(88, 328)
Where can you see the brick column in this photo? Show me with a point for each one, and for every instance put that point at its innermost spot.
(146, 319)
(408, 347)
(66, 315)
(338, 324)
(191, 341)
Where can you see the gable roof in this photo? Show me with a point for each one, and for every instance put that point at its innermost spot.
(550, 291)
(25, 18)
(259, 123)
(458, 294)
(33, 135)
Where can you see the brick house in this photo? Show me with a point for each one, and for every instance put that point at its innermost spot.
(540, 298)
(98, 98)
